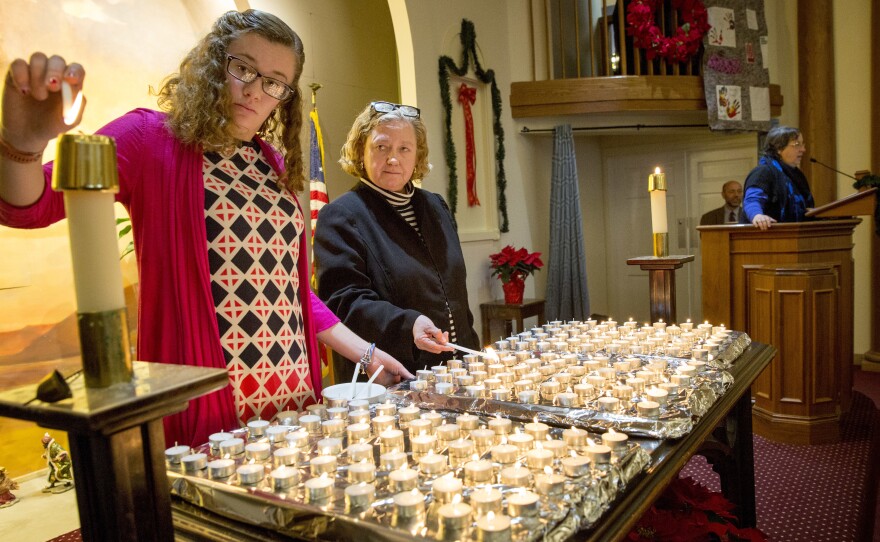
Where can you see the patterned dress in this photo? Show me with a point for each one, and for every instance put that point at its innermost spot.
(254, 229)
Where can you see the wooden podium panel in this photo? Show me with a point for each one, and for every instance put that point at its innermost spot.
(732, 254)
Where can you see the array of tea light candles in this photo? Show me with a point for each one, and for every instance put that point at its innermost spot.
(586, 364)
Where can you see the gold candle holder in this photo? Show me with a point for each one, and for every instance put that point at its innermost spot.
(85, 170)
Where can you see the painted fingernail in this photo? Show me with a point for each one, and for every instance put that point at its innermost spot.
(25, 91)
(53, 81)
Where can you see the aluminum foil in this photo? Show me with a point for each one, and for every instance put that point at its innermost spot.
(580, 505)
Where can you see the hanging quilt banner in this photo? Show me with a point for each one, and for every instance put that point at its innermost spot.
(736, 79)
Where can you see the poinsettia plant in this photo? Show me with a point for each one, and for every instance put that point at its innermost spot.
(514, 263)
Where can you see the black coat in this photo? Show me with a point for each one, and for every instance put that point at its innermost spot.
(377, 275)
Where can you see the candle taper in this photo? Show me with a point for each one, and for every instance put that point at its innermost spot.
(657, 191)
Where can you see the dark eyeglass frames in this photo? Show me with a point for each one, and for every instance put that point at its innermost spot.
(388, 107)
(246, 73)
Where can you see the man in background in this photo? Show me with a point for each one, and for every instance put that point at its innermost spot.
(731, 211)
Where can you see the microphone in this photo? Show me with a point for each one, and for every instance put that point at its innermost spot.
(832, 169)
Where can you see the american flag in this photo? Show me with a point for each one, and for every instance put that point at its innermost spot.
(317, 200)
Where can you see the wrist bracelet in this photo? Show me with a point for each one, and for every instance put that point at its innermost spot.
(18, 156)
(368, 356)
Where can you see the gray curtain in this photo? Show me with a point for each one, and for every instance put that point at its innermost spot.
(567, 295)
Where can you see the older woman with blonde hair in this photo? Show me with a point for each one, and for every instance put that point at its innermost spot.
(387, 254)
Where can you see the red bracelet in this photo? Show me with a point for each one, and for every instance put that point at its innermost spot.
(16, 155)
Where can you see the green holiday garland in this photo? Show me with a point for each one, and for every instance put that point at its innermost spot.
(469, 50)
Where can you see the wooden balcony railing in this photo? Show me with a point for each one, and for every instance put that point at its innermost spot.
(592, 66)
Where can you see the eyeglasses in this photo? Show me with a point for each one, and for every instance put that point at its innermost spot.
(797, 143)
(246, 73)
(388, 107)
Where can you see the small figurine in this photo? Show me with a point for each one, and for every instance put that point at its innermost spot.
(60, 469)
(7, 484)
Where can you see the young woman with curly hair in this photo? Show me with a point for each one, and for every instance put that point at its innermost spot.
(218, 229)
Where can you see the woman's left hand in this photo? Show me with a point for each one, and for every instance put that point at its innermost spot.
(393, 371)
(429, 337)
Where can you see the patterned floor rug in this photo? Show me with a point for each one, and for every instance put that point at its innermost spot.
(819, 493)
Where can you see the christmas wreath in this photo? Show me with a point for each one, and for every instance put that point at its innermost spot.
(683, 44)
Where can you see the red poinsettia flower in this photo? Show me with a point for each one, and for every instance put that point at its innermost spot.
(514, 263)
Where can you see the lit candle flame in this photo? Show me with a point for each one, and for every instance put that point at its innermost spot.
(656, 170)
(71, 105)
(548, 471)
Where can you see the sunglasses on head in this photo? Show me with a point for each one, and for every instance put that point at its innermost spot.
(388, 107)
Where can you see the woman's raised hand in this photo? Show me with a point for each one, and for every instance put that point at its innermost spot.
(33, 111)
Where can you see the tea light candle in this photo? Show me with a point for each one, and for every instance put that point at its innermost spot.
(338, 402)
(284, 477)
(464, 381)
(329, 446)
(392, 460)
(504, 453)
(454, 364)
(359, 495)
(409, 504)
(454, 517)
(476, 391)
(287, 417)
(483, 438)
(221, 468)
(360, 452)
(381, 423)
(478, 471)
(681, 380)
(310, 423)
(486, 499)
(608, 404)
(479, 376)
(614, 440)
(232, 447)
(467, 422)
(523, 441)
(539, 458)
(648, 409)
(598, 382)
(420, 427)
(216, 438)
(297, 439)
(445, 488)
(523, 504)
(250, 474)
(565, 399)
(670, 387)
(319, 489)
(658, 395)
(391, 439)
(516, 476)
(500, 394)
(501, 426)
(608, 373)
(359, 416)
(408, 414)
(575, 465)
(549, 484)
(276, 433)
(403, 479)
(433, 464)
(194, 462)
(522, 385)
(537, 429)
(699, 366)
(176, 453)
(285, 456)
(598, 453)
(575, 437)
(423, 444)
(493, 528)
(363, 471)
(434, 417)
(318, 410)
(528, 397)
(386, 409)
(622, 392)
(424, 374)
(448, 431)
(637, 384)
(323, 464)
(358, 432)
(558, 447)
(443, 388)
(460, 448)
(258, 451)
(257, 428)
(418, 385)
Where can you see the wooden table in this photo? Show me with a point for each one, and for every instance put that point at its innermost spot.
(723, 434)
(501, 311)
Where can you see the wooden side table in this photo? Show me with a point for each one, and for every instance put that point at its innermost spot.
(501, 311)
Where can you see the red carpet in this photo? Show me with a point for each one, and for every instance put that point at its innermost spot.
(818, 493)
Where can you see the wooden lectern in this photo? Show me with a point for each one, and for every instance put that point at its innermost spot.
(771, 284)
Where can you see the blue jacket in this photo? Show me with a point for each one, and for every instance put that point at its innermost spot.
(777, 190)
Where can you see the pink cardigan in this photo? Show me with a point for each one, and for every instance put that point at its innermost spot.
(162, 188)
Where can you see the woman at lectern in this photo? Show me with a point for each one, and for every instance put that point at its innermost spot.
(777, 190)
